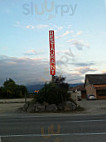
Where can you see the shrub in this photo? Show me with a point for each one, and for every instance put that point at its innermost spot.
(53, 93)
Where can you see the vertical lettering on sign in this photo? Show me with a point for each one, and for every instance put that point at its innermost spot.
(52, 53)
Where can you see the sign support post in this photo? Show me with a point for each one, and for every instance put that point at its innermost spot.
(52, 78)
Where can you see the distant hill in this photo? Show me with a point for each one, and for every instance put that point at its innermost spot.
(31, 88)
(74, 85)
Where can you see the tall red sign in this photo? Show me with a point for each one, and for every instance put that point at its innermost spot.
(52, 53)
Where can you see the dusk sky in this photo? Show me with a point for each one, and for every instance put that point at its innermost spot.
(80, 39)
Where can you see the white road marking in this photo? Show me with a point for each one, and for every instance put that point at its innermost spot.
(71, 121)
(85, 121)
(40, 135)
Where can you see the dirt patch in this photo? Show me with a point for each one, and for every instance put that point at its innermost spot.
(11, 107)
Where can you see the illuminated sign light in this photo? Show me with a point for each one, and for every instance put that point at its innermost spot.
(36, 91)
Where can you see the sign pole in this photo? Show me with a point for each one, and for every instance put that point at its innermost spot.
(52, 78)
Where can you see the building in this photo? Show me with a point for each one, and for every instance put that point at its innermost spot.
(96, 84)
(81, 89)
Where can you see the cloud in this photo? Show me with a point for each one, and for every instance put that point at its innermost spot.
(79, 33)
(64, 34)
(73, 74)
(79, 44)
(84, 70)
(59, 28)
(30, 52)
(83, 64)
(64, 57)
(56, 27)
(33, 52)
(65, 52)
(24, 70)
(67, 32)
(40, 26)
(104, 71)
(74, 77)
(69, 26)
(30, 27)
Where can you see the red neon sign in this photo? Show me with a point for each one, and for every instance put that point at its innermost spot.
(52, 53)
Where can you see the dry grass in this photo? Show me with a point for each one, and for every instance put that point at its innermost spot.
(14, 100)
(11, 105)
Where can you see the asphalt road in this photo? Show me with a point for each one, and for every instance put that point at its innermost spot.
(52, 128)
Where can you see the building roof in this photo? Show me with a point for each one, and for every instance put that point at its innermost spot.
(96, 78)
(78, 88)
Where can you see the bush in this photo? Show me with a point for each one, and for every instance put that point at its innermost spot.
(53, 93)
(11, 90)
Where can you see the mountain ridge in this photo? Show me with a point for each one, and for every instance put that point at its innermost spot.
(31, 88)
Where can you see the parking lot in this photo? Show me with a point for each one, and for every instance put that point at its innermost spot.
(93, 106)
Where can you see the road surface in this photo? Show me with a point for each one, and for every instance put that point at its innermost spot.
(52, 128)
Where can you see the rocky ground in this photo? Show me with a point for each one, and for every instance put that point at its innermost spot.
(67, 106)
(90, 107)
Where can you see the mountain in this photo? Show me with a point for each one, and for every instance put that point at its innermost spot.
(76, 84)
(31, 88)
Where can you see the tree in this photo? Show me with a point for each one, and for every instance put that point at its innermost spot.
(54, 92)
(2, 92)
(11, 90)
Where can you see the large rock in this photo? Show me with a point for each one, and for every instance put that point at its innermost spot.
(45, 107)
(51, 108)
(74, 106)
(45, 104)
(39, 108)
(25, 107)
(70, 106)
(61, 106)
(31, 108)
